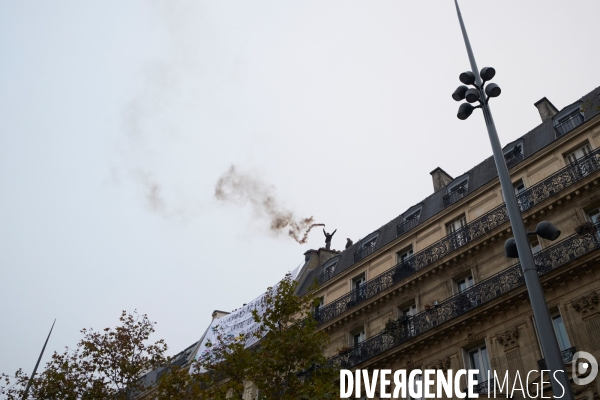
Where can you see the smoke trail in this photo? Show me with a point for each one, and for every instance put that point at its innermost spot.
(240, 188)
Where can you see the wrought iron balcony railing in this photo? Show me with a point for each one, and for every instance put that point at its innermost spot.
(484, 292)
(567, 356)
(484, 387)
(514, 157)
(406, 226)
(455, 195)
(560, 180)
(363, 252)
(326, 275)
(571, 122)
(537, 193)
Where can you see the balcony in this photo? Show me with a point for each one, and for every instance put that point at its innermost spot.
(569, 123)
(567, 356)
(406, 226)
(326, 275)
(560, 180)
(494, 218)
(514, 157)
(482, 293)
(484, 388)
(365, 251)
(457, 194)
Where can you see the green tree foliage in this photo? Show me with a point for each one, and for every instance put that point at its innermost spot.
(286, 363)
(105, 365)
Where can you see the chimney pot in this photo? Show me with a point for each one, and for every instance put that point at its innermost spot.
(546, 109)
(440, 179)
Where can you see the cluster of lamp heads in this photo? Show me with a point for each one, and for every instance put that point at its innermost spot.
(473, 94)
(544, 229)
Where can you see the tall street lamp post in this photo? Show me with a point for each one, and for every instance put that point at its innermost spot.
(559, 379)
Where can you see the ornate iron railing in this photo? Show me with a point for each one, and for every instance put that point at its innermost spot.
(567, 356)
(487, 290)
(326, 275)
(572, 122)
(484, 387)
(515, 156)
(365, 251)
(560, 180)
(407, 225)
(475, 229)
(455, 195)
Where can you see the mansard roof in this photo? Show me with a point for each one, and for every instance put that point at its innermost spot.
(533, 141)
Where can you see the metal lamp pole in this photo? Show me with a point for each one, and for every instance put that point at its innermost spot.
(549, 343)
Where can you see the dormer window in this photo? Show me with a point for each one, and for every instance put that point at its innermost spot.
(456, 191)
(409, 221)
(367, 246)
(328, 269)
(514, 154)
(568, 119)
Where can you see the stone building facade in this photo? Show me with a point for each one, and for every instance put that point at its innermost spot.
(438, 278)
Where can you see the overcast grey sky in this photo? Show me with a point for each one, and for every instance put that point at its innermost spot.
(117, 118)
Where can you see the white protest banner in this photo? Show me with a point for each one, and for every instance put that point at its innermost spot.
(238, 322)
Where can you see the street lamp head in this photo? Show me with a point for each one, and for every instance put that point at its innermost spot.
(487, 73)
(472, 95)
(464, 111)
(510, 248)
(547, 231)
(468, 78)
(493, 90)
(459, 93)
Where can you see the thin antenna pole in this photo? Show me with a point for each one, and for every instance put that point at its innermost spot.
(37, 363)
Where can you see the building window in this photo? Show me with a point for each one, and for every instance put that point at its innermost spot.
(405, 312)
(519, 187)
(514, 154)
(466, 299)
(409, 221)
(464, 283)
(568, 119)
(358, 337)
(580, 160)
(328, 269)
(535, 246)
(319, 307)
(403, 255)
(479, 360)
(359, 287)
(366, 247)
(456, 192)
(561, 332)
(522, 199)
(564, 343)
(457, 234)
(578, 153)
(594, 215)
(408, 310)
(562, 337)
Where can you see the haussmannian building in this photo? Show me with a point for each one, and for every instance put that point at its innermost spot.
(439, 272)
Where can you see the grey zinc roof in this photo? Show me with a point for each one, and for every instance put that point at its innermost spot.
(533, 141)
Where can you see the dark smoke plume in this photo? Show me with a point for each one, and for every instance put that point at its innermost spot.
(239, 188)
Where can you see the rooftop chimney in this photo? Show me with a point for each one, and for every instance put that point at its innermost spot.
(218, 314)
(546, 109)
(440, 178)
